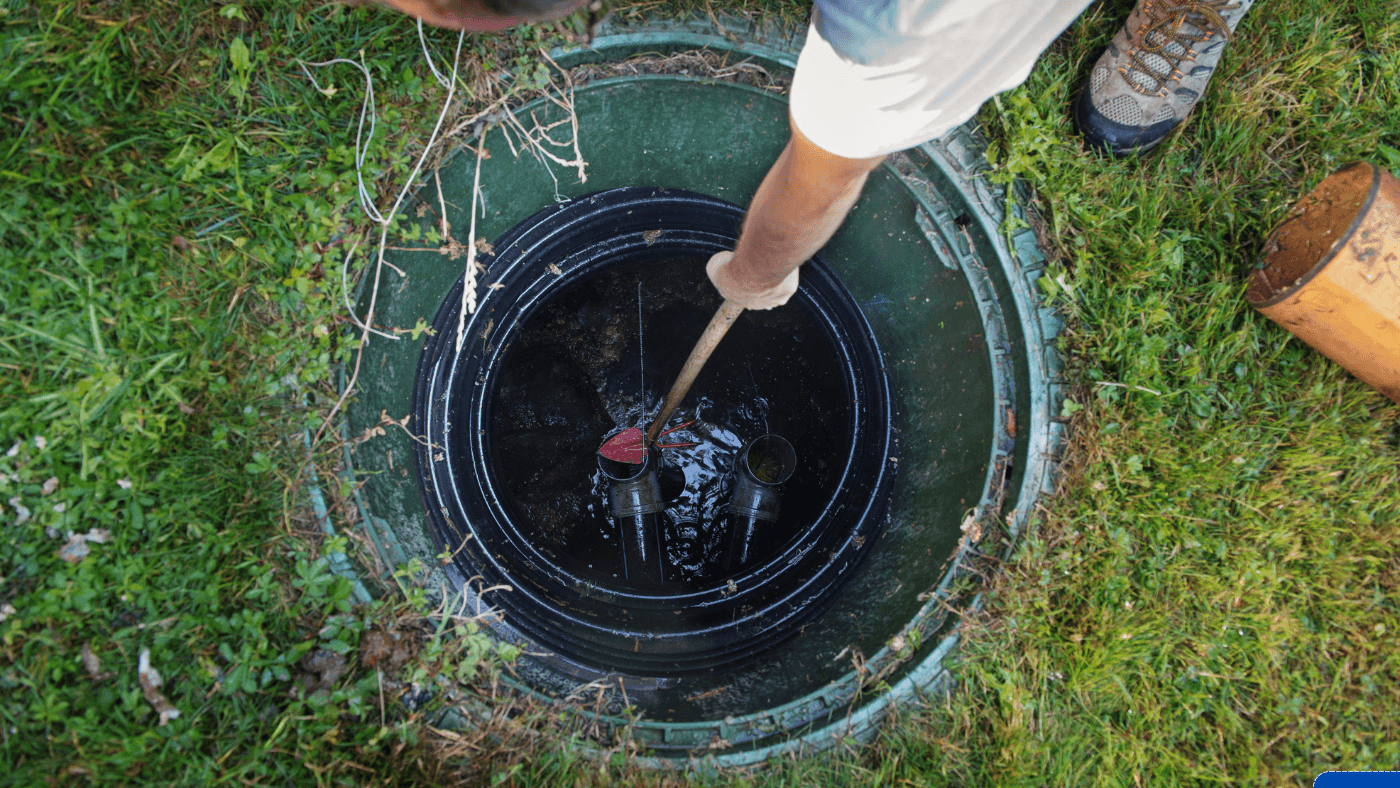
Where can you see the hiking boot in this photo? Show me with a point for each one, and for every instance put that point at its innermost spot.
(1154, 71)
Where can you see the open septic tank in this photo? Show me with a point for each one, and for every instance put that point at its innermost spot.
(910, 377)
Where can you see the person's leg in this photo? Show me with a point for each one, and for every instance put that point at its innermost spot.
(1153, 73)
(944, 60)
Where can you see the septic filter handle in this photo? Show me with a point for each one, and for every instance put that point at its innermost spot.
(724, 317)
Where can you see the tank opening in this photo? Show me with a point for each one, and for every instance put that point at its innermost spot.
(620, 567)
(591, 363)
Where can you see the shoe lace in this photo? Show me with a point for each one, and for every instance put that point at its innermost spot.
(1168, 26)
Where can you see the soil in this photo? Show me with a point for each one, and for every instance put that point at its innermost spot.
(320, 670)
(580, 370)
(1316, 226)
(387, 650)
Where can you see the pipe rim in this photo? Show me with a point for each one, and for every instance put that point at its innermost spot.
(1337, 246)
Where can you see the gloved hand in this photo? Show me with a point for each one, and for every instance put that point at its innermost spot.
(748, 294)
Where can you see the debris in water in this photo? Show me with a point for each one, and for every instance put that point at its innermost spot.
(580, 373)
(764, 467)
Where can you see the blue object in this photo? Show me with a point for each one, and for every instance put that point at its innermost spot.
(1357, 780)
(867, 31)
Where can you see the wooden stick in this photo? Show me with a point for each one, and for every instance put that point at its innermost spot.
(724, 317)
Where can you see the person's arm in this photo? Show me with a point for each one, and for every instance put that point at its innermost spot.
(802, 201)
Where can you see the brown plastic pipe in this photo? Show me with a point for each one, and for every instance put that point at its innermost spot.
(1331, 274)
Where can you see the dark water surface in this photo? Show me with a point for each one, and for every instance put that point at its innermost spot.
(582, 370)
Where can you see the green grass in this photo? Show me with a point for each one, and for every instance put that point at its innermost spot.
(1210, 598)
(174, 219)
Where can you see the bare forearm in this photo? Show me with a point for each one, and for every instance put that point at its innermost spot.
(800, 204)
(792, 216)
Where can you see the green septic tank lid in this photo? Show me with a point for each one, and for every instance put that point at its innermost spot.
(946, 283)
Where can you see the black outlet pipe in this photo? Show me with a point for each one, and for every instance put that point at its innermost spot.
(760, 469)
(634, 500)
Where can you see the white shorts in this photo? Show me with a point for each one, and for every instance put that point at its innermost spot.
(974, 49)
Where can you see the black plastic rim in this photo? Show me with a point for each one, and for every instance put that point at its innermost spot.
(720, 626)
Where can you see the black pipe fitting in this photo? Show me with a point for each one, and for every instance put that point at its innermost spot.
(634, 499)
(760, 469)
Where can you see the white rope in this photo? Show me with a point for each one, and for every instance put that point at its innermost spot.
(361, 141)
(384, 220)
(423, 43)
(469, 280)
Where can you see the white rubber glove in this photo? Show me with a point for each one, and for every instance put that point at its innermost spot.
(746, 294)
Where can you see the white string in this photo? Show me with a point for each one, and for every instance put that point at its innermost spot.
(423, 42)
(345, 291)
(408, 184)
(383, 220)
(469, 279)
(361, 142)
